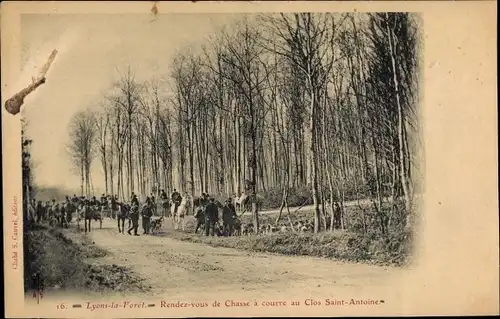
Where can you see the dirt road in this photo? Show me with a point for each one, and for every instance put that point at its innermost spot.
(191, 270)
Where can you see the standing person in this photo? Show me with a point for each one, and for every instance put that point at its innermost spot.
(103, 203)
(39, 211)
(146, 212)
(228, 216)
(153, 204)
(113, 203)
(200, 218)
(164, 202)
(134, 217)
(94, 202)
(211, 217)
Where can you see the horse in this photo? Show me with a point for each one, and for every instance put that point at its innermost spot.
(181, 211)
(241, 202)
(114, 208)
(173, 208)
(233, 226)
(57, 213)
(105, 209)
(69, 208)
(123, 214)
(85, 212)
(96, 215)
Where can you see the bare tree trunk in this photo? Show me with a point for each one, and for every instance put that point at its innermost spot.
(402, 168)
(313, 159)
(82, 176)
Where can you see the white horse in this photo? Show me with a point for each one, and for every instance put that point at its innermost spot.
(240, 202)
(182, 210)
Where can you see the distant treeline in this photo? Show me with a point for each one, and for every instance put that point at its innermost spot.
(45, 193)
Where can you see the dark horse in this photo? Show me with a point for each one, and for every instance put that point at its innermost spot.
(90, 212)
(88, 215)
(123, 214)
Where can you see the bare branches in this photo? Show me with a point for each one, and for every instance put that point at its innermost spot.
(314, 92)
(81, 145)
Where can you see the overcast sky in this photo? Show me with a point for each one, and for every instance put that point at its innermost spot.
(91, 49)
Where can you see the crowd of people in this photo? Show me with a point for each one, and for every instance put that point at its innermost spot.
(206, 211)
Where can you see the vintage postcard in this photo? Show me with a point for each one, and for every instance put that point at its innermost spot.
(240, 159)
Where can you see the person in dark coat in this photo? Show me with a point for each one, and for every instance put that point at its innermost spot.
(153, 204)
(228, 216)
(211, 217)
(104, 200)
(39, 211)
(134, 217)
(146, 212)
(200, 218)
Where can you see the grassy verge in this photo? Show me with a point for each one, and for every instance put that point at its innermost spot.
(335, 245)
(352, 244)
(66, 263)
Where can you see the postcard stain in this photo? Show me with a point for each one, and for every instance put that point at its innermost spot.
(13, 105)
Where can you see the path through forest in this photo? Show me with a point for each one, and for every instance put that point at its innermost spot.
(191, 270)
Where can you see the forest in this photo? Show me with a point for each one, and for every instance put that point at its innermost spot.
(291, 109)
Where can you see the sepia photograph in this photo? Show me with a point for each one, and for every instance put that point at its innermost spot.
(295, 134)
(186, 160)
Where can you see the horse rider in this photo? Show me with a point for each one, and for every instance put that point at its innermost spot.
(134, 200)
(163, 195)
(175, 195)
(74, 200)
(176, 199)
(104, 200)
(228, 216)
(94, 201)
(134, 217)
(211, 216)
(146, 212)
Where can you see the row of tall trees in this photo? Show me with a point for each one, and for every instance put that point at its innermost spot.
(27, 177)
(323, 100)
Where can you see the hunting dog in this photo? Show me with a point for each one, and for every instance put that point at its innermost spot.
(156, 224)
